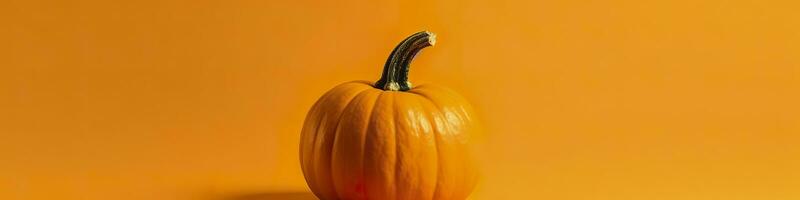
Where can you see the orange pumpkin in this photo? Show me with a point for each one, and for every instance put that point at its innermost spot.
(390, 140)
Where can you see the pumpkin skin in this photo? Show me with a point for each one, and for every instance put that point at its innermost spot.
(362, 142)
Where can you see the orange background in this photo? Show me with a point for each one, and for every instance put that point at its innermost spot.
(580, 99)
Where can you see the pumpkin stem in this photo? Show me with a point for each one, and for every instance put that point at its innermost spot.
(395, 71)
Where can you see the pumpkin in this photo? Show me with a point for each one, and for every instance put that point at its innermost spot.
(389, 140)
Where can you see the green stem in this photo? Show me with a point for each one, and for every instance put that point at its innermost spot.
(395, 71)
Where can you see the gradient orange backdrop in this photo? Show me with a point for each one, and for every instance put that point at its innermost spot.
(580, 99)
